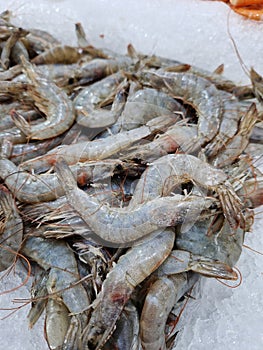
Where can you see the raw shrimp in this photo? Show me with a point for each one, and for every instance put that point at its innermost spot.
(10, 43)
(126, 335)
(39, 40)
(12, 230)
(121, 226)
(195, 90)
(57, 257)
(233, 148)
(180, 261)
(25, 151)
(50, 100)
(163, 294)
(168, 171)
(177, 137)
(6, 121)
(212, 239)
(58, 54)
(57, 322)
(97, 149)
(145, 104)
(88, 102)
(132, 268)
(233, 112)
(31, 188)
(99, 68)
(257, 84)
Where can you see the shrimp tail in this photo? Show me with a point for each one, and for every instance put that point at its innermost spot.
(65, 175)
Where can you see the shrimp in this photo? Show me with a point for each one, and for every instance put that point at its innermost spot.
(10, 43)
(97, 149)
(25, 151)
(63, 276)
(39, 40)
(121, 226)
(177, 137)
(126, 334)
(168, 171)
(50, 100)
(233, 148)
(57, 322)
(12, 230)
(99, 68)
(257, 84)
(163, 294)
(145, 104)
(88, 103)
(212, 239)
(195, 90)
(132, 268)
(58, 54)
(180, 261)
(31, 188)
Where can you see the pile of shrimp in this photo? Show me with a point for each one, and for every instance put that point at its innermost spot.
(124, 179)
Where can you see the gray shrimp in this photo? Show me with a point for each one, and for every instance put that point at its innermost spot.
(39, 41)
(50, 100)
(88, 102)
(32, 188)
(25, 151)
(168, 171)
(126, 335)
(232, 119)
(98, 68)
(197, 91)
(11, 233)
(145, 104)
(177, 137)
(234, 148)
(63, 276)
(214, 240)
(132, 268)
(163, 294)
(120, 226)
(97, 149)
(9, 45)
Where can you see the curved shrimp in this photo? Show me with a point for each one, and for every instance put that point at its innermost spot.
(131, 269)
(50, 100)
(123, 226)
(145, 104)
(87, 102)
(195, 90)
(233, 148)
(168, 171)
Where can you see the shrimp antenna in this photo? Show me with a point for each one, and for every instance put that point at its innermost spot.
(242, 63)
